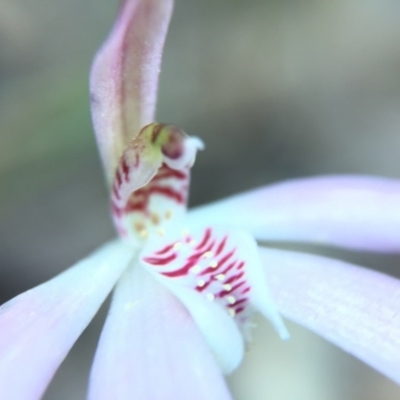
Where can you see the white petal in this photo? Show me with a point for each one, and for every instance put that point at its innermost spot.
(38, 327)
(217, 327)
(355, 308)
(150, 348)
(359, 212)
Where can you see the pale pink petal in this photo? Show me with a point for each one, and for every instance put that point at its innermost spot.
(355, 308)
(124, 76)
(38, 327)
(151, 349)
(351, 211)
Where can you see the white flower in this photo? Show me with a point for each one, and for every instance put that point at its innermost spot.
(186, 284)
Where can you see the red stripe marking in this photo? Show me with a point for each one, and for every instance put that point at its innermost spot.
(228, 268)
(226, 258)
(178, 272)
(170, 173)
(135, 207)
(237, 286)
(221, 246)
(139, 193)
(160, 261)
(202, 288)
(208, 271)
(205, 239)
(115, 192)
(167, 192)
(165, 249)
(190, 263)
(241, 301)
(140, 199)
(197, 255)
(125, 169)
(137, 160)
(224, 293)
(118, 177)
(241, 265)
(234, 277)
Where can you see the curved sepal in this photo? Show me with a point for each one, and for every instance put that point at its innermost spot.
(124, 77)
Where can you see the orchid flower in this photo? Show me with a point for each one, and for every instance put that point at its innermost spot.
(186, 284)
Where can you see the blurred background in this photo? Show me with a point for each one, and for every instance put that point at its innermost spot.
(276, 89)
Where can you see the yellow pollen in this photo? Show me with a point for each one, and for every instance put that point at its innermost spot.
(144, 233)
(155, 219)
(231, 312)
(227, 287)
(210, 297)
(220, 277)
(192, 242)
(161, 232)
(177, 245)
(213, 264)
(196, 269)
(139, 226)
(231, 300)
(168, 214)
(185, 232)
(201, 283)
(207, 254)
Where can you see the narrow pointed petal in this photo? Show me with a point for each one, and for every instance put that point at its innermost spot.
(151, 349)
(349, 211)
(124, 76)
(38, 327)
(355, 308)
